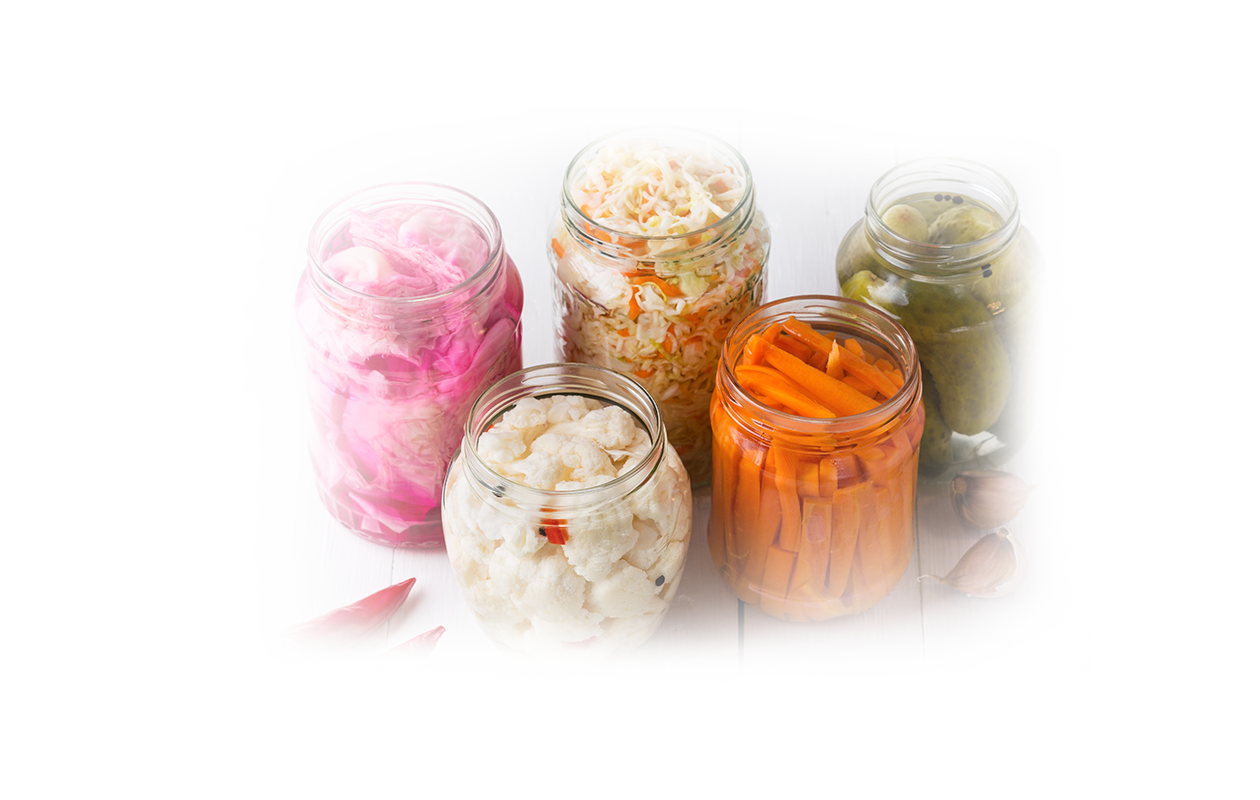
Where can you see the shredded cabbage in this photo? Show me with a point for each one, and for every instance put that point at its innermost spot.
(661, 316)
(391, 383)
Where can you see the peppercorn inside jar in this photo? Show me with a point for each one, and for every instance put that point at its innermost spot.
(658, 249)
(567, 513)
(941, 248)
(817, 418)
(409, 307)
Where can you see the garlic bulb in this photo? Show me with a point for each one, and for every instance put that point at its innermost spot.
(987, 498)
(991, 568)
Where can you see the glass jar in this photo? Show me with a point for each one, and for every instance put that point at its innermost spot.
(409, 307)
(814, 518)
(941, 248)
(589, 569)
(653, 294)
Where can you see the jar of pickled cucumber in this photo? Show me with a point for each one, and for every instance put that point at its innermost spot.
(816, 426)
(658, 249)
(942, 250)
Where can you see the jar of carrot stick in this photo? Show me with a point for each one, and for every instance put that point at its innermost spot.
(817, 418)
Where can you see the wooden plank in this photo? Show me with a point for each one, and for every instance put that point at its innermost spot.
(1072, 131)
(297, 561)
(262, 132)
(1050, 616)
(813, 170)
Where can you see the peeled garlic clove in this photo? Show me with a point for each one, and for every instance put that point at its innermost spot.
(987, 498)
(992, 567)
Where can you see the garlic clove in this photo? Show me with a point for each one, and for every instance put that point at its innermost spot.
(992, 567)
(988, 498)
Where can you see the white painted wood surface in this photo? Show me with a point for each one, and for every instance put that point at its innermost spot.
(812, 181)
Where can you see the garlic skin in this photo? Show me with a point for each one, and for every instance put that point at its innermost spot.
(988, 498)
(993, 566)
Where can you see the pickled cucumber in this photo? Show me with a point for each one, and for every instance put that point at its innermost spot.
(963, 224)
(956, 344)
(906, 222)
(935, 453)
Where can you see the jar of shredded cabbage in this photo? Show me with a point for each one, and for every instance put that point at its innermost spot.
(658, 249)
(409, 307)
(567, 513)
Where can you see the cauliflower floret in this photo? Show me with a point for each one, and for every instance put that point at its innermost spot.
(555, 593)
(625, 592)
(492, 604)
(598, 539)
(569, 407)
(648, 546)
(540, 470)
(578, 629)
(529, 417)
(501, 444)
(583, 458)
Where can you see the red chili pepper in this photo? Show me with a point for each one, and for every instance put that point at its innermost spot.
(382, 672)
(355, 620)
(554, 530)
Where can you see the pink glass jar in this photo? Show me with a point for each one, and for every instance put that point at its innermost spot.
(409, 307)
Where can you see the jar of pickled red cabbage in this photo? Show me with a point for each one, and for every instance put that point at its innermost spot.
(658, 249)
(567, 513)
(942, 249)
(813, 495)
(409, 307)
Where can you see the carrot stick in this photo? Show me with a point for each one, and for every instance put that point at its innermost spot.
(830, 392)
(790, 345)
(845, 522)
(789, 502)
(754, 351)
(747, 501)
(807, 475)
(726, 451)
(893, 531)
(633, 311)
(774, 587)
(853, 347)
(667, 289)
(856, 364)
(834, 367)
(768, 519)
(771, 334)
(818, 361)
(870, 549)
(859, 385)
(773, 384)
(810, 577)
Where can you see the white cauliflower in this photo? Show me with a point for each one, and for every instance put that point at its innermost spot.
(626, 592)
(555, 592)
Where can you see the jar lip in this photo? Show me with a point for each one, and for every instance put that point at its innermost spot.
(611, 381)
(937, 168)
(568, 202)
(418, 188)
(798, 306)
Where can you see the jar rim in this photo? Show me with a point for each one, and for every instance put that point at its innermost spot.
(488, 406)
(944, 169)
(422, 190)
(568, 202)
(899, 342)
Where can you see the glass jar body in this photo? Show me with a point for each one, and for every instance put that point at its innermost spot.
(658, 307)
(966, 297)
(391, 378)
(589, 571)
(814, 518)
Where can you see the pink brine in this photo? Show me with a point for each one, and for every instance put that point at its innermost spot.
(410, 307)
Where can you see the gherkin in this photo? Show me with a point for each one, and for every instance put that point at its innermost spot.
(935, 453)
(956, 341)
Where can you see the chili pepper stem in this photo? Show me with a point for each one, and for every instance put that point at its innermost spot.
(284, 663)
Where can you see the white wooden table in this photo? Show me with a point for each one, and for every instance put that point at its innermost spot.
(813, 170)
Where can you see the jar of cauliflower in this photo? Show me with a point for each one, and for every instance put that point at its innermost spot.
(567, 513)
(659, 248)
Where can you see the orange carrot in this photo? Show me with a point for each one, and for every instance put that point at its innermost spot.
(644, 374)
(810, 576)
(555, 245)
(668, 289)
(771, 334)
(818, 361)
(857, 365)
(808, 336)
(748, 501)
(870, 549)
(624, 332)
(845, 524)
(774, 587)
(789, 502)
(807, 478)
(834, 367)
(767, 529)
(829, 391)
(859, 385)
(853, 347)
(773, 384)
(790, 345)
(754, 351)
(633, 313)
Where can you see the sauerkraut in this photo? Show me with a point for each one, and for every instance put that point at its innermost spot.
(659, 250)
(401, 336)
(592, 579)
